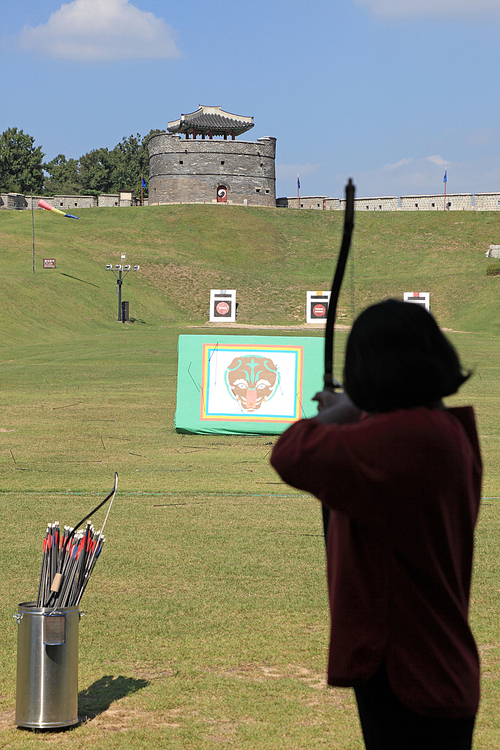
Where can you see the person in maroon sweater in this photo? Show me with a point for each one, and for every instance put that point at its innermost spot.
(401, 475)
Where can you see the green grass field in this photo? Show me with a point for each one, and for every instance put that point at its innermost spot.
(207, 621)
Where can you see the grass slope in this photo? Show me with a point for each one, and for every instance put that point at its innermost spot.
(207, 621)
(272, 257)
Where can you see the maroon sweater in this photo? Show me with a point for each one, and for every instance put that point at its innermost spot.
(404, 488)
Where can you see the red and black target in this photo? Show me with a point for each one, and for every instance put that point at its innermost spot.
(319, 310)
(222, 308)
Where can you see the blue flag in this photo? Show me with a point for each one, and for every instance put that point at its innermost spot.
(143, 182)
(298, 183)
(445, 178)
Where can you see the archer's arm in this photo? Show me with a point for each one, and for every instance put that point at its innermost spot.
(335, 407)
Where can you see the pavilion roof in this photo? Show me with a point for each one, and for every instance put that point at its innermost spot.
(213, 120)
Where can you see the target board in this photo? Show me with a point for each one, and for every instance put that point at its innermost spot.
(222, 305)
(419, 298)
(246, 384)
(317, 306)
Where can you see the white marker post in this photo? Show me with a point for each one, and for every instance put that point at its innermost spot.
(420, 298)
(317, 306)
(222, 306)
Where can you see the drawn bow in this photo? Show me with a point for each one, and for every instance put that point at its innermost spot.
(330, 383)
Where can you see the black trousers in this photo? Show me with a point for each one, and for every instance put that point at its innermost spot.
(388, 725)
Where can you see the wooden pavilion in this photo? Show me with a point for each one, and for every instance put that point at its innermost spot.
(209, 122)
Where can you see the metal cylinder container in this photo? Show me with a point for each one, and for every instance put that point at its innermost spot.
(47, 666)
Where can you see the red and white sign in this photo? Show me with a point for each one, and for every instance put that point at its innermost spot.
(49, 262)
(319, 311)
(317, 306)
(222, 305)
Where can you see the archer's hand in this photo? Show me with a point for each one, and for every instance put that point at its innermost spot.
(335, 407)
(327, 398)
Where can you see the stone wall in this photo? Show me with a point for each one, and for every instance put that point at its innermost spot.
(112, 200)
(487, 201)
(386, 203)
(183, 170)
(70, 202)
(454, 202)
(315, 202)
(13, 201)
(63, 202)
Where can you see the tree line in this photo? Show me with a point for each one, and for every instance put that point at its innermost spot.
(23, 170)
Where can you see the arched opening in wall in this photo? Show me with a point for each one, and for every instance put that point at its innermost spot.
(222, 194)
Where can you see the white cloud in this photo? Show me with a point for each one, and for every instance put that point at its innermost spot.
(391, 167)
(100, 30)
(438, 160)
(468, 10)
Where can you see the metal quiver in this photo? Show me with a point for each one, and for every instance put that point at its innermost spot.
(47, 666)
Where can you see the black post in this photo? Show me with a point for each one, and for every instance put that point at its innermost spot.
(119, 282)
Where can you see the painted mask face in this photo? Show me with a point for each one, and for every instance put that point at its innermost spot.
(252, 381)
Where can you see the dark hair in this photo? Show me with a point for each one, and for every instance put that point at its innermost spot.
(397, 358)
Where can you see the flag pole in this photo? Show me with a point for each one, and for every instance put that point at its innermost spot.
(33, 229)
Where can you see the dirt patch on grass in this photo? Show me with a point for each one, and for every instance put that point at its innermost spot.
(7, 718)
(121, 719)
(263, 673)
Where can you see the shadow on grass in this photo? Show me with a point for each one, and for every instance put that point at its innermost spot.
(98, 697)
(82, 280)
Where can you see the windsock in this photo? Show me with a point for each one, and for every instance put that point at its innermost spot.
(48, 207)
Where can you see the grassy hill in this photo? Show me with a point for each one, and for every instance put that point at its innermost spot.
(207, 619)
(270, 256)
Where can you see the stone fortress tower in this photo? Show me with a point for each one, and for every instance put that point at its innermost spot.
(208, 164)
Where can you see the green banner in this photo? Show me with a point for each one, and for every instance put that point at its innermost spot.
(246, 384)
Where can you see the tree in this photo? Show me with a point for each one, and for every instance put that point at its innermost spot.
(96, 172)
(131, 163)
(21, 169)
(127, 164)
(64, 178)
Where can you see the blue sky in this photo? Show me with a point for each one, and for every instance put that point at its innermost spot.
(389, 92)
